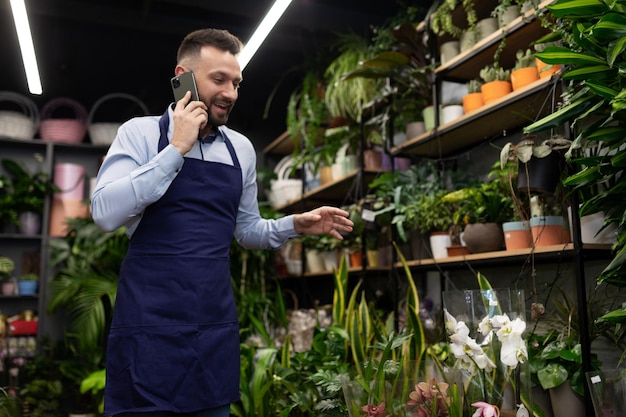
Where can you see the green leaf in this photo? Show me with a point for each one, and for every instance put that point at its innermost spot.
(616, 49)
(610, 26)
(552, 376)
(577, 8)
(562, 55)
(561, 116)
(587, 72)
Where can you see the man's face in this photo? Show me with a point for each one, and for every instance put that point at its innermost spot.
(218, 76)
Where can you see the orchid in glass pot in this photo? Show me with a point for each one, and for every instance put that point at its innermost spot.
(486, 337)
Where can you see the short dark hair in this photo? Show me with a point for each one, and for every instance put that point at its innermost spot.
(218, 38)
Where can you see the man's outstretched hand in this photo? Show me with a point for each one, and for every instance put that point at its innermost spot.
(323, 220)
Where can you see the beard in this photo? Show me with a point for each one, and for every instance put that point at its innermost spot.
(219, 111)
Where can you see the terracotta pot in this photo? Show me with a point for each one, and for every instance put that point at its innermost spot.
(472, 101)
(517, 235)
(544, 71)
(494, 90)
(483, 237)
(548, 230)
(457, 250)
(523, 76)
(356, 259)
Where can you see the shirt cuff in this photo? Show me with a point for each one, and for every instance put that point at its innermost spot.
(169, 159)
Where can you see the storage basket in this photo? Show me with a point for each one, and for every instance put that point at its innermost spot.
(18, 125)
(103, 133)
(63, 129)
(284, 189)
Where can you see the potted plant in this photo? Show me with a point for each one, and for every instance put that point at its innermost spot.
(474, 98)
(27, 284)
(443, 21)
(525, 70)
(7, 266)
(28, 193)
(497, 82)
(482, 208)
(540, 162)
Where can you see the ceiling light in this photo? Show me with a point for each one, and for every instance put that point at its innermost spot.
(262, 31)
(26, 46)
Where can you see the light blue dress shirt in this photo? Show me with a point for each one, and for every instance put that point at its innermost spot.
(134, 175)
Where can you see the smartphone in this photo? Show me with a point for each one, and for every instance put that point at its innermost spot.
(183, 83)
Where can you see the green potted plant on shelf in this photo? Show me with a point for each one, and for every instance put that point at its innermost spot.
(525, 70)
(482, 208)
(473, 100)
(7, 266)
(28, 192)
(27, 284)
(443, 19)
(496, 82)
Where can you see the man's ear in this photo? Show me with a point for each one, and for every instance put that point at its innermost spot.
(179, 70)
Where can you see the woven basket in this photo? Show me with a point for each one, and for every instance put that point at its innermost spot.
(103, 133)
(16, 125)
(62, 129)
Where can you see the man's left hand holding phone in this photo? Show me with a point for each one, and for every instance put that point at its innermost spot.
(190, 114)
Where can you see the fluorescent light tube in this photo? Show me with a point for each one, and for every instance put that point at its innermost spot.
(268, 22)
(26, 46)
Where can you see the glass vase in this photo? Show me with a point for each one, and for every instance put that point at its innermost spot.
(485, 334)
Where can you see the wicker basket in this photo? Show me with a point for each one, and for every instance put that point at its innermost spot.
(16, 125)
(103, 133)
(63, 129)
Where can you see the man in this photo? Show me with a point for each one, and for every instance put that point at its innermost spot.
(184, 184)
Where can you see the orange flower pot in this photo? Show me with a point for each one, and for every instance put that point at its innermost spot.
(494, 90)
(544, 71)
(523, 76)
(472, 101)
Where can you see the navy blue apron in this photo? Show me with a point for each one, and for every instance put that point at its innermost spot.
(174, 339)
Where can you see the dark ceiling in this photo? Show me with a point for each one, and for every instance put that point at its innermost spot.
(89, 48)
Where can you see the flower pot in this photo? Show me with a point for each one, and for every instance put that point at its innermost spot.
(349, 164)
(439, 242)
(457, 250)
(508, 15)
(608, 391)
(415, 129)
(523, 76)
(30, 223)
(356, 259)
(591, 229)
(402, 164)
(8, 287)
(565, 402)
(540, 175)
(326, 174)
(336, 170)
(486, 27)
(27, 287)
(517, 235)
(372, 159)
(451, 112)
(483, 237)
(546, 70)
(548, 230)
(314, 261)
(429, 117)
(472, 101)
(494, 90)
(373, 256)
(330, 259)
(448, 50)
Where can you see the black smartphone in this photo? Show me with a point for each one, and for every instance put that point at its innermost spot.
(183, 83)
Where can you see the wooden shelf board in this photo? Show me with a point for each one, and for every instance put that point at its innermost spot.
(483, 124)
(503, 255)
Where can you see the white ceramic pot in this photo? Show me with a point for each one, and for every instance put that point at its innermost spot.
(449, 50)
(314, 261)
(486, 27)
(414, 129)
(439, 243)
(451, 112)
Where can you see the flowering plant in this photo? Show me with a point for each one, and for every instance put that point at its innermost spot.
(488, 345)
